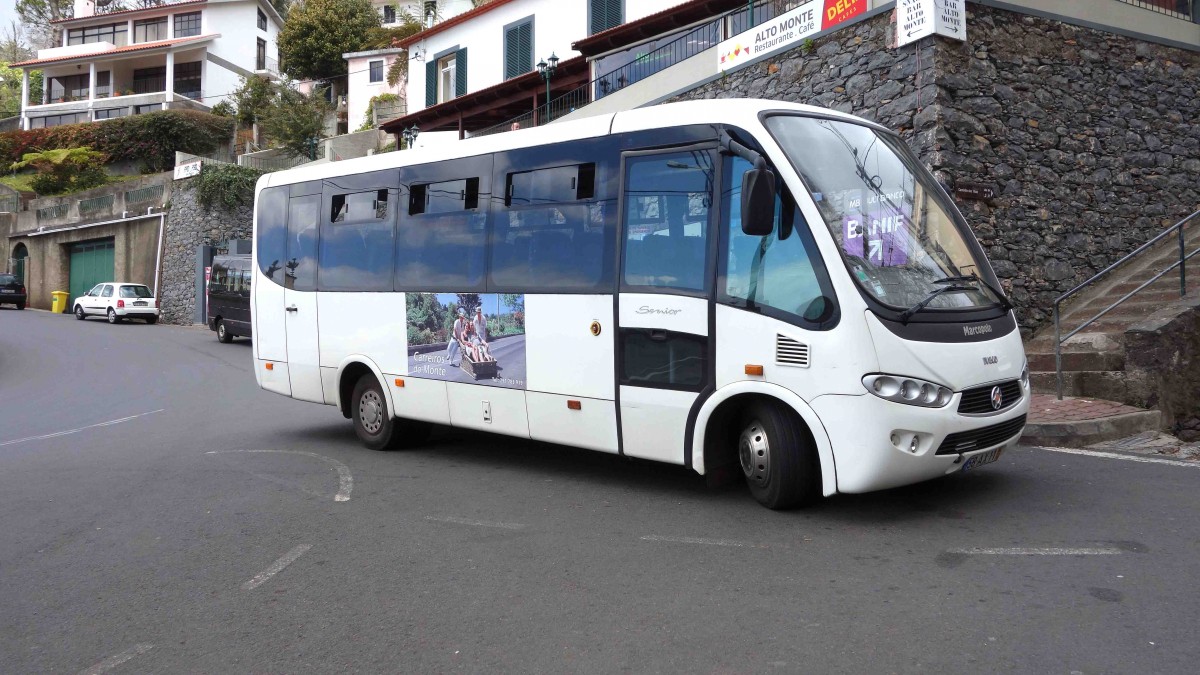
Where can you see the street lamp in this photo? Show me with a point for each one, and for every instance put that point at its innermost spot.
(547, 71)
(410, 135)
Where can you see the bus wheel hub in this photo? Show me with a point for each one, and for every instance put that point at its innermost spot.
(370, 411)
(755, 453)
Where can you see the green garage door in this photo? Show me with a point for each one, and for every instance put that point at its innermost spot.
(91, 264)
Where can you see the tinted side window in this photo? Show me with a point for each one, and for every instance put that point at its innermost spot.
(441, 238)
(667, 201)
(551, 234)
(217, 279)
(663, 359)
(272, 211)
(303, 217)
(356, 242)
(782, 271)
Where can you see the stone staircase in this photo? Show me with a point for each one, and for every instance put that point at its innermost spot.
(1139, 354)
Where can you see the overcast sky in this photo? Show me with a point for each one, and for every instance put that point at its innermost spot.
(8, 12)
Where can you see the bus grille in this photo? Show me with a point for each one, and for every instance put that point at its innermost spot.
(976, 439)
(978, 400)
(789, 352)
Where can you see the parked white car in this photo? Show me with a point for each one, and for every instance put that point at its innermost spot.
(117, 301)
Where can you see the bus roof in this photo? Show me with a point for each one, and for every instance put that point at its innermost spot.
(712, 111)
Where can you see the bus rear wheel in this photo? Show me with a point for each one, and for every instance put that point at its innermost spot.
(374, 423)
(777, 458)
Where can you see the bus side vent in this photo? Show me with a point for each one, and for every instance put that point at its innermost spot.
(789, 352)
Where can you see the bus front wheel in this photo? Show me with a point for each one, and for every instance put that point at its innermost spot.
(374, 423)
(777, 458)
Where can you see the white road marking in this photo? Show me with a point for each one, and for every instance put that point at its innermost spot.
(1038, 551)
(114, 661)
(345, 479)
(1128, 458)
(75, 431)
(276, 567)
(475, 523)
(701, 540)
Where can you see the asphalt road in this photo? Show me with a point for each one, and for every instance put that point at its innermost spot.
(226, 529)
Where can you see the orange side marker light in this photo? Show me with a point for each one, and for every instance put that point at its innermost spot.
(756, 371)
(270, 366)
(574, 405)
(399, 383)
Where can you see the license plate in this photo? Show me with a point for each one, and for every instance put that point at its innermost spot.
(986, 458)
(7, 290)
(139, 304)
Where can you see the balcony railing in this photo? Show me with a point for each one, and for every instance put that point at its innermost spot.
(52, 212)
(1180, 9)
(88, 207)
(267, 65)
(152, 193)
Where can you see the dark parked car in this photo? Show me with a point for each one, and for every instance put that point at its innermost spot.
(12, 291)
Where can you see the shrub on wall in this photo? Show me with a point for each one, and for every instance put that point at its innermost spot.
(151, 138)
(226, 185)
(64, 170)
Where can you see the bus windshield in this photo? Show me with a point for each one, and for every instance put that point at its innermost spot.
(885, 213)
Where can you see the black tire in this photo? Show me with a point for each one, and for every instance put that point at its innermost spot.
(79, 313)
(374, 424)
(152, 320)
(112, 316)
(222, 333)
(20, 305)
(777, 458)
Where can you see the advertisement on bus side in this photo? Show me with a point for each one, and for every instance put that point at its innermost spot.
(473, 338)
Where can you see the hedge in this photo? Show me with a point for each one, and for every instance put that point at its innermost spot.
(150, 138)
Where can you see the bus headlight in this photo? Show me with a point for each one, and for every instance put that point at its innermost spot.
(908, 390)
(1025, 375)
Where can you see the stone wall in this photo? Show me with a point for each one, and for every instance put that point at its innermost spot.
(190, 225)
(1090, 138)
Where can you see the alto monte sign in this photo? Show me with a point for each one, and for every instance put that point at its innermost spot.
(786, 30)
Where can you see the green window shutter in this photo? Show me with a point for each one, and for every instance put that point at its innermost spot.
(518, 50)
(606, 14)
(460, 73)
(431, 84)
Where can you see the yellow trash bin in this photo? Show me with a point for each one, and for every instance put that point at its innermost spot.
(59, 304)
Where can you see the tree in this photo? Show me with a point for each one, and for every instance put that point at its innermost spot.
(13, 46)
(318, 32)
(10, 89)
(256, 94)
(65, 169)
(295, 121)
(38, 17)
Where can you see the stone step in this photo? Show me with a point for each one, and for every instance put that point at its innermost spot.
(1086, 341)
(1111, 385)
(1086, 360)
(1079, 433)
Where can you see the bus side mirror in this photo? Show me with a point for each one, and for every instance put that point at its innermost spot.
(758, 202)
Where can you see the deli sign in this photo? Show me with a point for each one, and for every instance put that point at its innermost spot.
(786, 30)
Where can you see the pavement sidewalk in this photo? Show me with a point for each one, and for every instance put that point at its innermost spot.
(1078, 422)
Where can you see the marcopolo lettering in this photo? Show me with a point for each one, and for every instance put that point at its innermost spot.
(981, 329)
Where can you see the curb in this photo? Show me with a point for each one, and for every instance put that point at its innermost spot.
(1082, 433)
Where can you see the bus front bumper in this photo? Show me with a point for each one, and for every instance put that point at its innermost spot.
(872, 439)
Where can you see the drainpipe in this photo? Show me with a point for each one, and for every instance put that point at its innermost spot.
(162, 221)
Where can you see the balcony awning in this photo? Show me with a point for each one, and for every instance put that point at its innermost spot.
(499, 103)
(654, 25)
(139, 48)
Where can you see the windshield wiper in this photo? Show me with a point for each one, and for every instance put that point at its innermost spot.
(908, 313)
(1004, 301)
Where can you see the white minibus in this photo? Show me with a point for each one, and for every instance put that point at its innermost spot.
(733, 286)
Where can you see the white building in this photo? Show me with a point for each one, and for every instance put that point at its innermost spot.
(367, 79)
(185, 54)
(428, 12)
(507, 38)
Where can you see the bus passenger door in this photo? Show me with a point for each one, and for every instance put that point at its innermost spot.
(300, 297)
(664, 341)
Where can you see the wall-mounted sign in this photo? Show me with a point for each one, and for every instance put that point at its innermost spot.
(916, 19)
(976, 191)
(187, 169)
(786, 30)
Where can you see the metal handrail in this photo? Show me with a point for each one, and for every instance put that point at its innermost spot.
(1184, 256)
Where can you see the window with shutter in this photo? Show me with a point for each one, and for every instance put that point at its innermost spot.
(460, 74)
(431, 84)
(518, 48)
(605, 14)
